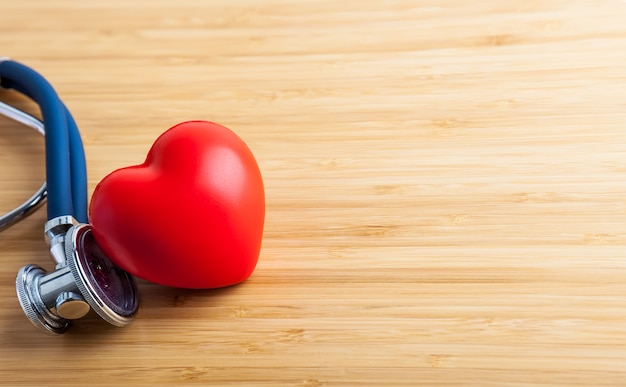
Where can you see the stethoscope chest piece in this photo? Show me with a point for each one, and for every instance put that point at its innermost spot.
(85, 280)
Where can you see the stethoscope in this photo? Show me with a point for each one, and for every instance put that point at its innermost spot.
(84, 278)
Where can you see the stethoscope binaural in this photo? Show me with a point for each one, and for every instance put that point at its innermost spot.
(84, 278)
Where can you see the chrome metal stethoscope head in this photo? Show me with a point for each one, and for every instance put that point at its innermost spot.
(83, 279)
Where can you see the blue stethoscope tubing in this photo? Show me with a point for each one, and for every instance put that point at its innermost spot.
(66, 168)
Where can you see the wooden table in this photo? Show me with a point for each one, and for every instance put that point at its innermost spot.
(445, 180)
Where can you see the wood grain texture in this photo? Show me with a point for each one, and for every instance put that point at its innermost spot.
(445, 188)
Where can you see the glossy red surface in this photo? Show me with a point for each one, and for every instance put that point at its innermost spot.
(190, 216)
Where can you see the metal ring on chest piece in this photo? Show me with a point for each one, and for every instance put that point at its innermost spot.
(28, 283)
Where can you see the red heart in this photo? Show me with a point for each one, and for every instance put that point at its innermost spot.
(190, 216)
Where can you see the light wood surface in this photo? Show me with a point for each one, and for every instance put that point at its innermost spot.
(446, 188)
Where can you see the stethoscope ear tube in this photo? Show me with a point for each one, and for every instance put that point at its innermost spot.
(84, 278)
(66, 172)
(39, 197)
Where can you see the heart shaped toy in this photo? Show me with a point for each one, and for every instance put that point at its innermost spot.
(190, 216)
